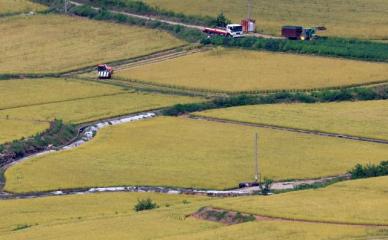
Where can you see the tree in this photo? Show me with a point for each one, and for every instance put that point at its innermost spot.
(265, 186)
(222, 21)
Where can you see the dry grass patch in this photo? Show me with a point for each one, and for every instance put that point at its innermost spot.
(366, 119)
(62, 43)
(240, 70)
(16, 129)
(357, 201)
(189, 153)
(348, 18)
(17, 6)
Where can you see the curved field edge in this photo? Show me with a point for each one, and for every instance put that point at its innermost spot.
(99, 42)
(8, 7)
(159, 152)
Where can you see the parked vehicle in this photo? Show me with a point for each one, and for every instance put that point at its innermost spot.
(231, 30)
(300, 33)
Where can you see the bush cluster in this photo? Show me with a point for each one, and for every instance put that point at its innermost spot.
(369, 170)
(58, 134)
(337, 47)
(145, 204)
(350, 94)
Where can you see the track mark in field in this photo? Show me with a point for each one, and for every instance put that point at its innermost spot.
(230, 217)
(297, 130)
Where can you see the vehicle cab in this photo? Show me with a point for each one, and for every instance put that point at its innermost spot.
(235, 30)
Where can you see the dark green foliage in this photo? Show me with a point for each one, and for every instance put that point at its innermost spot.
(221, 20)
(145, 204)
(241, 218)
(369, 170)
(351, 94)
(21, 227)
(337, 47)
(265, 186)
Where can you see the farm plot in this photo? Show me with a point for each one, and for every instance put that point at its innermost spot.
(110, 216)
(189, 153)
(346, 18)
(18, 6)
(76, 42)
(240, 70)
(27, 92)
(366, 119)
(16, 129)
(357, 201)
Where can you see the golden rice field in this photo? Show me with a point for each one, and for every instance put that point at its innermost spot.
(16, 129)
(26, 92)
(240, 70)
(19, 6)
(76, 42)
(189, 153)
(356, 201)
(363, 118)
(111, 216)
(347, 18)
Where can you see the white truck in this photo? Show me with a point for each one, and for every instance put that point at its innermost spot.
(231, 30)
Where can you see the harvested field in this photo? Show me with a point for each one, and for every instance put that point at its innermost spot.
(366, 119)
(241, 70)
(19, 6)
(189, 153)
(348, 18)
(357, 201)
(76, 42)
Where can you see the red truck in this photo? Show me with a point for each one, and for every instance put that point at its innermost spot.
(299, 33)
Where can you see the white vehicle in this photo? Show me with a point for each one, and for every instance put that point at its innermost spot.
(235, 30)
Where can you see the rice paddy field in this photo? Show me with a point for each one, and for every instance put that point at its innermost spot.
(348, 18)
(363, 118)
(240, 70)
(19, 6)
(189, 153)
(26, 107)
(76, 42)
(356, 201)
(111, 216)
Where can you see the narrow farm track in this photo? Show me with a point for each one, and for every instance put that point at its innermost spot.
(202, 213)
(297, 130)
(153, 18)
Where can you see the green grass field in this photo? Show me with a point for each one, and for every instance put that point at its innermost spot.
(19, 6)
(76, 42)
(240, 70)
(348, 18)
(189, 153)
(111, 216)
(367, 119)
(357, 201)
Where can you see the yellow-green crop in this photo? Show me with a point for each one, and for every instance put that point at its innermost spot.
(53, 43)
(356, 201)
(367, 119)
(19, 6)
(189, 153)
(346, 18)
(240, 70)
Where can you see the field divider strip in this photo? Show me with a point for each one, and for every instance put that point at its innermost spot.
(263, 217)
(281, 128)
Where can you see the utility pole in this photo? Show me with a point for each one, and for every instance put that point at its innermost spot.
(257, 174)
(66, 2)
(249, 9)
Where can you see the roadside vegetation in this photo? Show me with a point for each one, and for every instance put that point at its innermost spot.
(360, 118)
(228, 70)
(76, 42)
(346, 18)
(159, 152)
(369, 170)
